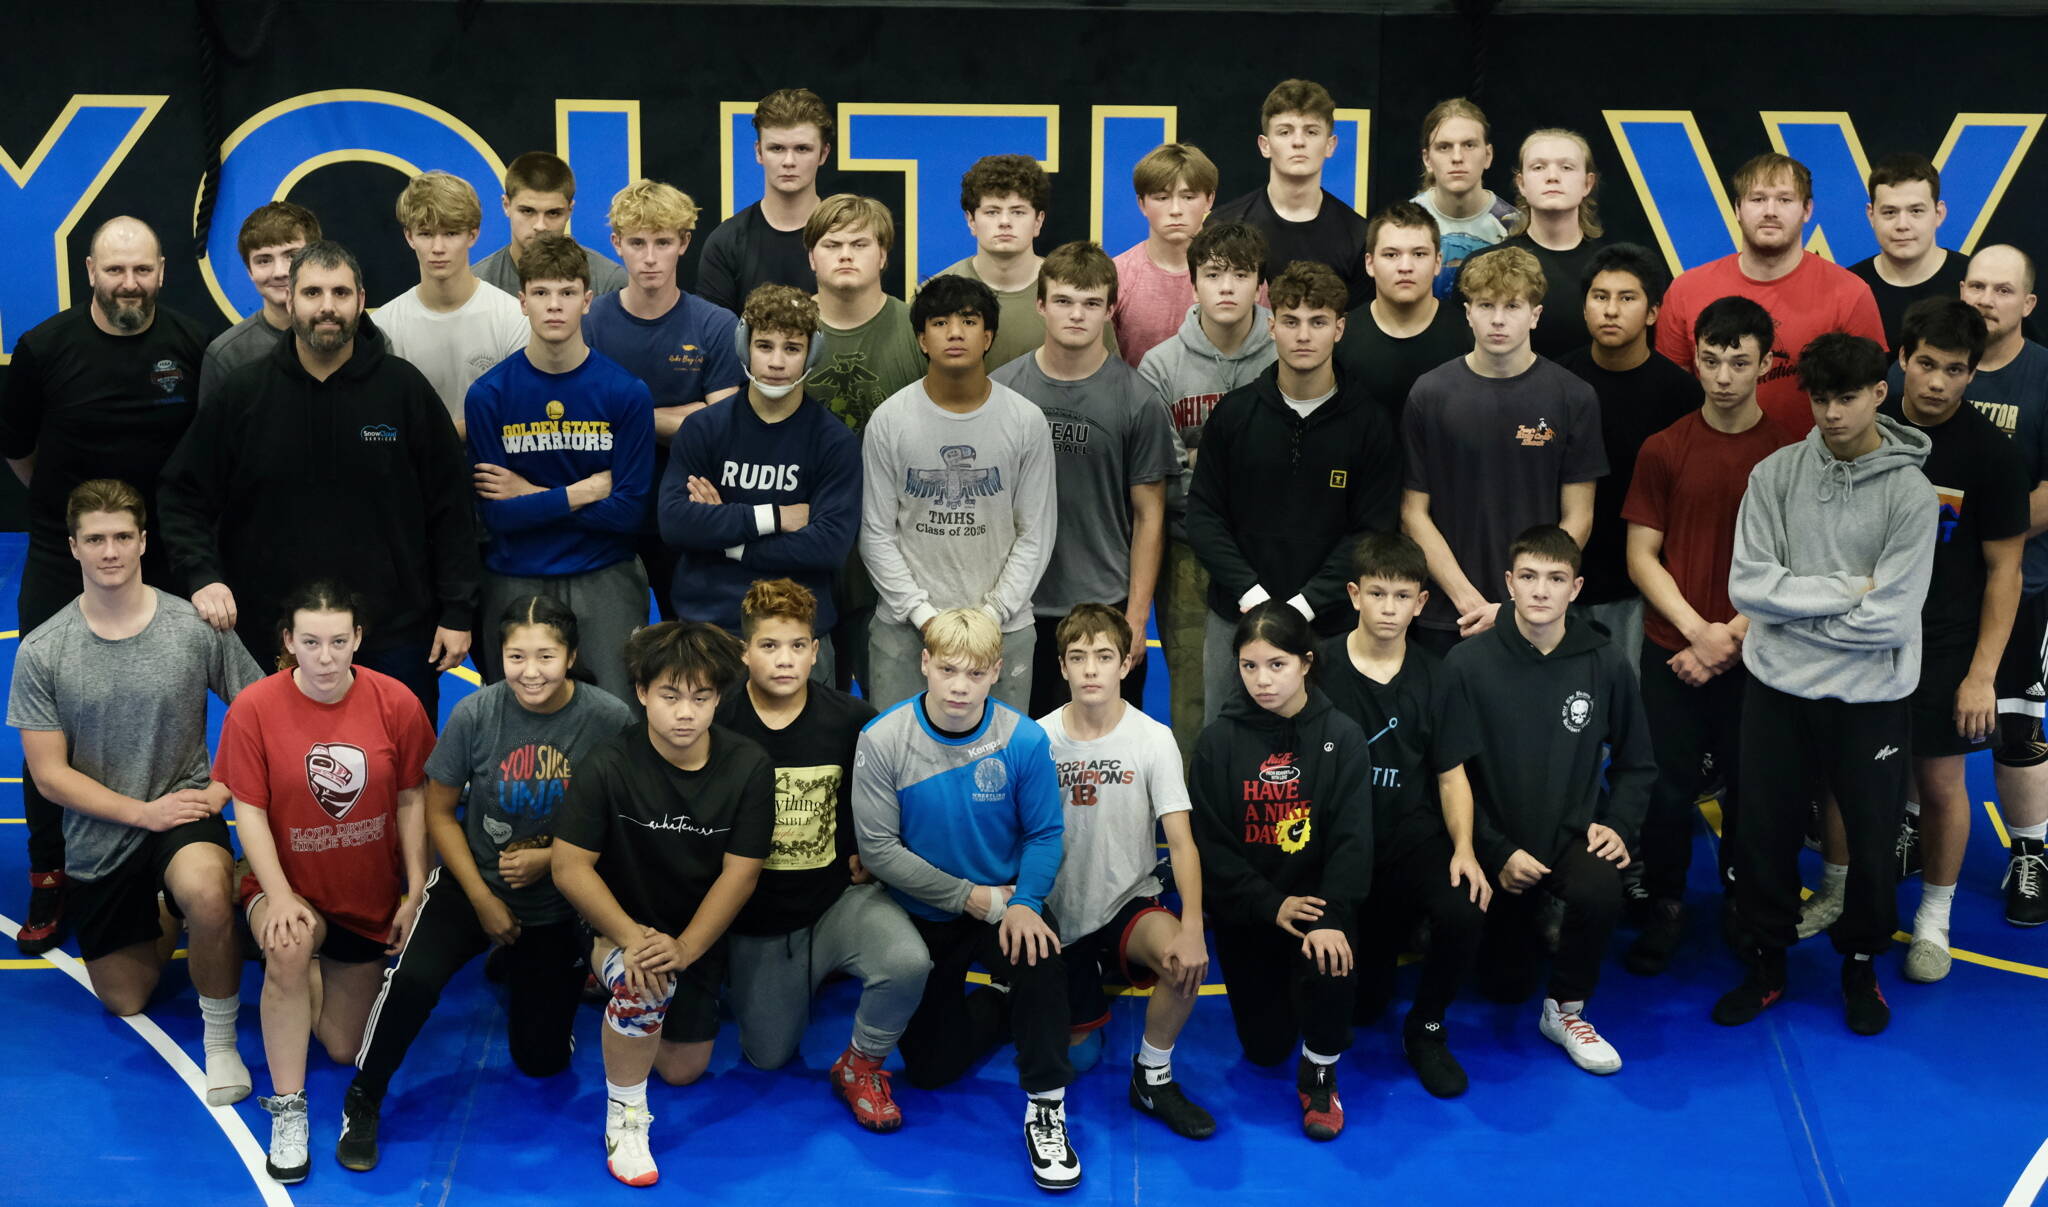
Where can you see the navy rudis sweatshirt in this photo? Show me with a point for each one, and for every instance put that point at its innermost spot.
(810, 457)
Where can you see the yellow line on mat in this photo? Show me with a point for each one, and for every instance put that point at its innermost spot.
(1998, 825)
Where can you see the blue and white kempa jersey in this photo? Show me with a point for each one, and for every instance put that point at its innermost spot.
(936, 814)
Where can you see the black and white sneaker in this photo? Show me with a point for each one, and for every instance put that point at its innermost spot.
(1165, 1102)
(2026, 883)
(357, 1148)
(286, 1160)
(1054, 1165)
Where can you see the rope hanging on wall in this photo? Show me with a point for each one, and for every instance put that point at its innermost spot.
(213, 46)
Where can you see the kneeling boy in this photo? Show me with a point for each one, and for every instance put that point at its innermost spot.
(1119, 770)
(1421, 734)
(958, 812)
(1548, 693)
(657, 845)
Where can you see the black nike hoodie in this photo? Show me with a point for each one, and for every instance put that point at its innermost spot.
(1542, 722)
(1283, 808)
(286, 478)
(1278, 501)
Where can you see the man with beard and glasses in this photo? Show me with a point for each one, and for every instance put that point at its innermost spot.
(1806, 295)
(333, 459)
(101, 390)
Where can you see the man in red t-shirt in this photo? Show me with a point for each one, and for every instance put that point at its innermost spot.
(1805, 294)
(1681, 511)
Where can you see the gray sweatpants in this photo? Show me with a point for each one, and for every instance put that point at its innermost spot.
(894, 659)
(609, 604)
(1623, 620)
(1220, 682)
(865, 934)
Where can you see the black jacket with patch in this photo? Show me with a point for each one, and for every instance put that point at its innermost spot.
(284, 478)
(1278, 501)
(1543, 720)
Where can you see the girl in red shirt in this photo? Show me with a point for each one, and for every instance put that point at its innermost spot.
(327, 766)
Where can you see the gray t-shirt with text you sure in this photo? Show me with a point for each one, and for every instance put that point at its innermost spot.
(1494, 454)
(133, 711)
(517, 765)
(1109, 433)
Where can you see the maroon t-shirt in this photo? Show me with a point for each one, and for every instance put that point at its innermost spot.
(1688, 485)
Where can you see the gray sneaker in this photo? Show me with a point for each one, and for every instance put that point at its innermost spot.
(1820, 911)
(1927, 961)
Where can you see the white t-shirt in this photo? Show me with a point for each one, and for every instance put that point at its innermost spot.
(1113, 790)
(455, 347)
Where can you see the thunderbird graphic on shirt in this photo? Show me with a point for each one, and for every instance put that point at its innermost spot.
(336, 774)
(957, 482)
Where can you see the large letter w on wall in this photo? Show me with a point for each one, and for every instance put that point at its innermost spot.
(1687, 203)
(49, 192)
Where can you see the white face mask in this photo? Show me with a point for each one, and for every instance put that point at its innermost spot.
(775, 393)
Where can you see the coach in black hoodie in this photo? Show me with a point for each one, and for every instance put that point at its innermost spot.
(1292, 468)
(329, 458)
(1547, 693)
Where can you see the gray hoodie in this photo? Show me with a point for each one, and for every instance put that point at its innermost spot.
(1191, 377)
(1832, 560)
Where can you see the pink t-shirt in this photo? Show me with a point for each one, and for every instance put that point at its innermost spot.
(1812, 299)
(1150, 303)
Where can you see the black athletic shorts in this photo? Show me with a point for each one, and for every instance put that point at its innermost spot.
(693, 1011)
(119, 909)
(2020, 672)
(1097, 964)
(1933, 706)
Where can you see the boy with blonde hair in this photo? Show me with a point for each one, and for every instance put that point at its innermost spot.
(676, 342)
(1176, 186)
(1497, 441)
(449, 328)
(870, 351)
(957, 809)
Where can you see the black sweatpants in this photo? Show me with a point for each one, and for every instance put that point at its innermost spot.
(1279, 997)
(1590, 888)
(46, 587)
(952, 1030)
(1686, 723)
(1417, 885)
(1049, 688)
(544, 973)
(1861, 751)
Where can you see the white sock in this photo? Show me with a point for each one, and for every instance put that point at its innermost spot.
(1578, 1007)
(1913, 808)
(1157, 1063)
(1834, 879)
(1057, 1097)
(1931, 921)
(2038, 831)
(219, 1013)
(1314, 1057)
(626, 1095)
